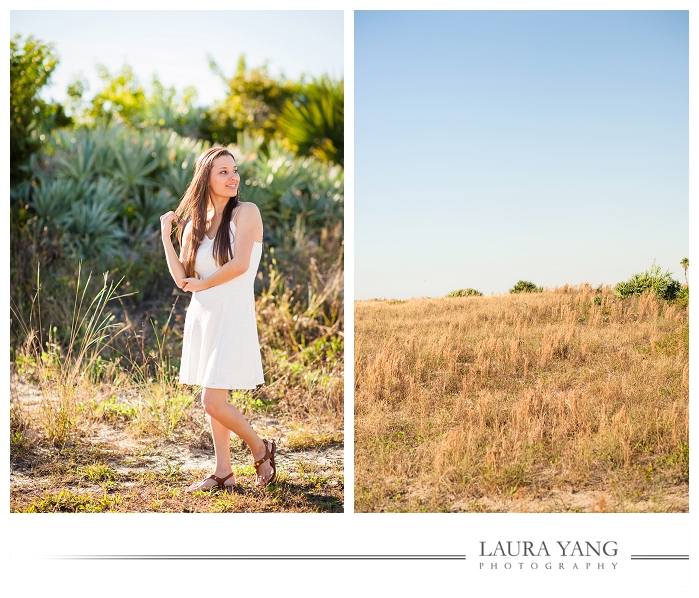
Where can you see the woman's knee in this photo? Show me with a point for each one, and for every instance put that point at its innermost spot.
(211, 402)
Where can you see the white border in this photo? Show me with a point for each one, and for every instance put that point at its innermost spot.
(27, 537)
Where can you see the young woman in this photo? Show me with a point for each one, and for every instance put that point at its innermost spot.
(221, 246)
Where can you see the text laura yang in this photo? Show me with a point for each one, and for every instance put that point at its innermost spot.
(561, 548)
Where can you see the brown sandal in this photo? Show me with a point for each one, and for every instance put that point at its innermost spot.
(220, 483)
(269, 454)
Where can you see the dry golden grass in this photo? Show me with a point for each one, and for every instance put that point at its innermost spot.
(570, 399)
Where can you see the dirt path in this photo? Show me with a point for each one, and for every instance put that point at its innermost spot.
(111, 466)
(674, 500)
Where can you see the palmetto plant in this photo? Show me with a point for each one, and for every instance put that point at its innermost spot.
(177, 156)
(465, 293)
(81, 155)
(135, 161)
(654, 279)
(314, 121)
(525, 286)
(52, 200)
(106, 188)
(286, 187)
(267, 175)
(143, 211)
(91, 222)
(247, 148)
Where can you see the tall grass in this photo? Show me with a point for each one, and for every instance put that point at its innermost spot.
(97, 194)
(61, 371)
(96, 362)
(488, 397)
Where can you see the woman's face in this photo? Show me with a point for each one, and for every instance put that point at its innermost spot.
(224, 178)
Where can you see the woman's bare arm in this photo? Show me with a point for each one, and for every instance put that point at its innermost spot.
(174, 263)
(248, 231)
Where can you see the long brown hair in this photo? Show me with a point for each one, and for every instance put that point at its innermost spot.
(193, 208)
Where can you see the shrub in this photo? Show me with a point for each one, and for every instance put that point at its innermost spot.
(524, 286)
(465, 293)
(682, 297)
(653, 279)
(31, 64)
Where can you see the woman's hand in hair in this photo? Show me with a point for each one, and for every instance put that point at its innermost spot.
(166, 224)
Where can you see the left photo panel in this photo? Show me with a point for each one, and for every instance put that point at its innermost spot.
(176, 261)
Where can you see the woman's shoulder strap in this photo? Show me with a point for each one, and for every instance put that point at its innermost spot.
(236, 212)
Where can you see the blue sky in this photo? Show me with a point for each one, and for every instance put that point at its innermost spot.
(497, 146)
(174, 44)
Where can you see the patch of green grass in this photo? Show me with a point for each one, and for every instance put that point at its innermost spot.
(247, 402)
(26, 367)
(476, 507)
(114, 408)
(162, 408)
(97, 472)
(67, 501)
(673, 343)
(317, 481)
(301, 439)
(19, 444)
(680, 460)
(244, 470)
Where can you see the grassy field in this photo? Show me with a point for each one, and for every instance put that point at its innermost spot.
(100, 423)
(569, 400)
(119, 457)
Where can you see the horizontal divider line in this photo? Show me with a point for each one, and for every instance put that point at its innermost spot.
(377, 557)
(660, 557)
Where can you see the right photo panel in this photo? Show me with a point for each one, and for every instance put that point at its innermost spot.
(521, 261)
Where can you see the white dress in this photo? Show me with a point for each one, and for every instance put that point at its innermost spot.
(221, 348)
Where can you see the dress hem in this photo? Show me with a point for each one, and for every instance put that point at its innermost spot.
(222, 387)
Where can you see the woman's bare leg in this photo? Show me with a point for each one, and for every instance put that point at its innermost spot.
(215, 401)
(222, 449)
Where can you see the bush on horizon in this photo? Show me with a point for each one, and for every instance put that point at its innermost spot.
(525, 286)
(655, 280)
(465, 293)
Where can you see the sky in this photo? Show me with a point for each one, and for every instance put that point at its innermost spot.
(175, 44)
(498, 146)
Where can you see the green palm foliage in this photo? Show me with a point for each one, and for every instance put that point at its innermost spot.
(163, 108)
(465, 293)
(314, 122)
(684, 262)
(253, 103)
(176, 156)
(93, 234)
(143, 211)
(91, 221)
(52, 200)
(288, 188)
(81, 155)
(654, 279)
(103, 188)
(94, 191)
(135, 161)
(525, 286)
(106, 188)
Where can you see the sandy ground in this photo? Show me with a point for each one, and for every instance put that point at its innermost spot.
(308, 471)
